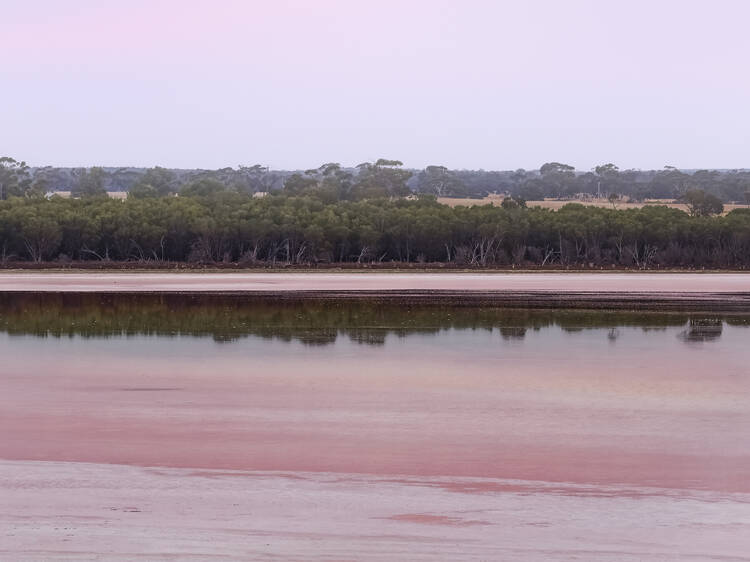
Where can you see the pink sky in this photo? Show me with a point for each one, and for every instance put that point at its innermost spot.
(293, 83)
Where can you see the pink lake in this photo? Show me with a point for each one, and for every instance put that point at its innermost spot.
(556, 437)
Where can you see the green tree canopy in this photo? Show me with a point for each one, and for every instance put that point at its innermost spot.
(702, 204)
(90, 183)
(14, 178)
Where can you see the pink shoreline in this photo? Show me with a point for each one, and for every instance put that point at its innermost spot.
(63, 511)
(690, 283)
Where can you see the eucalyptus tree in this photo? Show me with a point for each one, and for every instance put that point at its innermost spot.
(15, 179)
(702, 204)
(384, 178)
(89, 182)
(440, 181)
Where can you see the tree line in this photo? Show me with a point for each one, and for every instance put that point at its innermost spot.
(211, 223)
(386, 178)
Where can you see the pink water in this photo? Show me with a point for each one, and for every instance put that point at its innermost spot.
(456, 445)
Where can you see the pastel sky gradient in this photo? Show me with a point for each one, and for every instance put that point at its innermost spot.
(293, 83)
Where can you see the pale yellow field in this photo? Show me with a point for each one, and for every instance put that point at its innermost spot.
(556, 204)
(111, 194)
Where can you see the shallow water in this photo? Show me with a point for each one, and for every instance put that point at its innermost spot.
(369, 431)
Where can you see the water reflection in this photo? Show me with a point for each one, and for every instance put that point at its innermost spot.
(229, 318)
(513, 333)
(702, 330)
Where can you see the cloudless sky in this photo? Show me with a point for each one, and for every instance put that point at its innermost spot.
(294, 83)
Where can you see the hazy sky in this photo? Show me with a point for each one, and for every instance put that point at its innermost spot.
(292, 84)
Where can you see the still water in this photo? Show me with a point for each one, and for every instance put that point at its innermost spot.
(375, 431)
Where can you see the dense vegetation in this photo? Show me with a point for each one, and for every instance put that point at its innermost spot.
(231, 227)
(329, 215)
(552, 179)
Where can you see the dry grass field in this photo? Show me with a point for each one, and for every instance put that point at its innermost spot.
(553, 204)
(556, 204)
(111, 194)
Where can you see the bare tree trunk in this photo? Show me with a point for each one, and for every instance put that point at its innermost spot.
(34, 250)
(549, 252)
(300, 252)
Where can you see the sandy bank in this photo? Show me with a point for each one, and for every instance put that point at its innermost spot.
(729, 291)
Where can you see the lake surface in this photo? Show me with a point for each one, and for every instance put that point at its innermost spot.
(153, 427)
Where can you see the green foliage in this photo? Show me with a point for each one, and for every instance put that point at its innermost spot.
(558, 179)
(14, 178)
(702, 204)
(142, 191)
(217, 224)
(156, 182)
(513, 203)
(440, 181)
(204, 188)
(90, 183)
(607, 170)
(384, 178)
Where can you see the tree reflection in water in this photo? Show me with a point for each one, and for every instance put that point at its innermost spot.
(513, 333)
(702, 330)
(229, 318)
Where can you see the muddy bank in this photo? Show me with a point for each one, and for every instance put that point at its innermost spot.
(392, 266)
(656, 302)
